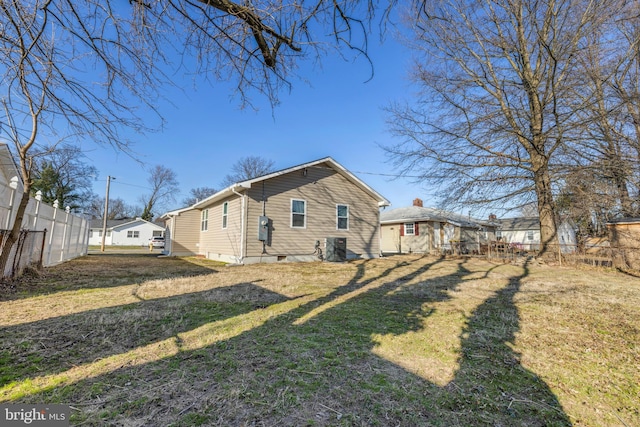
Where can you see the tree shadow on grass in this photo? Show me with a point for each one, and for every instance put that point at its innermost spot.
(491, 386)
(323, 371)
(57, 344)
(102, 271)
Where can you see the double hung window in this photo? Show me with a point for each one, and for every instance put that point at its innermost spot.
(342, 217)
(298, 213)
(204, 220)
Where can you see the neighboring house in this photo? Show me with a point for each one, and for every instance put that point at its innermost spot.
(524, 233)
(289, 215)
(624, 234)
(124, 232)
(416, 229)
(9, 196)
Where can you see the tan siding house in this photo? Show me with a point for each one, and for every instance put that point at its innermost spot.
(287, 216)
(187, 221)
(416, 229)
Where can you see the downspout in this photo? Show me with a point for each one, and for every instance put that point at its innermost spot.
(171, 236)
(242, 228)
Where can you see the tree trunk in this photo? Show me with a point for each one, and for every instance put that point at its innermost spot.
(13, 236)
(622, 189)
(546, 207)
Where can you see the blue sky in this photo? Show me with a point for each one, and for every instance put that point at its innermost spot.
(338, 114)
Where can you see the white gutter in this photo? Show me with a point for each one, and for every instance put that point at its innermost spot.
(242, 229)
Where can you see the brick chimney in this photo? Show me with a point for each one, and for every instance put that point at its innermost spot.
(417, 202)
(492, 217)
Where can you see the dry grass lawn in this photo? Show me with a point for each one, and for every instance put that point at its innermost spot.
(141, 340)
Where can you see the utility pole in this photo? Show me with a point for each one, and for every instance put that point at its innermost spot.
(106, 211)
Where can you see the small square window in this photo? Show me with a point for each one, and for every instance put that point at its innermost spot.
(409, 229)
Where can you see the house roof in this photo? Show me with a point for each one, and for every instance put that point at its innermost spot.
(521, 223)
(116, 223)
(175, 212)
(244, 185)
(419, 213)
(7, 165)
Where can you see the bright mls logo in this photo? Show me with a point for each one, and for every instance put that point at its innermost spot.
(34, 415)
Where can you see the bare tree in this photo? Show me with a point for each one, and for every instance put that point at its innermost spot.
(495, 108)
(625, 85)
(197, 194)
(164, 186)
(49, 53)
(118, 208)
(600, 176)
(73, 69)
(248, 167)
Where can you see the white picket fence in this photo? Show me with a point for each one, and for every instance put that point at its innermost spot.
(66, 236)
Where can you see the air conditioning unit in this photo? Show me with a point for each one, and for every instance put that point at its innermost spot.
(336, 248)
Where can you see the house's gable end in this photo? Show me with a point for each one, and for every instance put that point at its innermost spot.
(326, 162)
(320, 189)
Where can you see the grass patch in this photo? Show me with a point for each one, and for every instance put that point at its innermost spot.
(137, 339)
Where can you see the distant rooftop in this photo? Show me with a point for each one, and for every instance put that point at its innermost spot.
(522, 223)
(419, 213)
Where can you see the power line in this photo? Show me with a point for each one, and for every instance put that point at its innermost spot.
(389, 174)
(126, 183)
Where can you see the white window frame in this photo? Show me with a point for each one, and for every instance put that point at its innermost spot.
(133, 234)
(225, 215)
(530, 235)
(413, 229)
(204, 220)
(292, 213)
(338, 217)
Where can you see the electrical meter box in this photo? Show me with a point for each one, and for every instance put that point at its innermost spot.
(263, 228)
